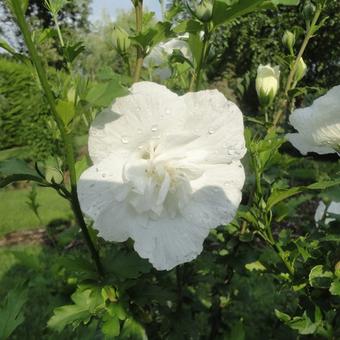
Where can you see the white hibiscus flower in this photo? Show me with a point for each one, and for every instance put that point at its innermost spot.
(322, 212)
(318, 125)
(166, 170)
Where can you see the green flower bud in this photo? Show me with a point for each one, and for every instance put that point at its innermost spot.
(204, 10)
(288, 40)
(308, 11)
(267, 83)
(301, 70)
(121, 40)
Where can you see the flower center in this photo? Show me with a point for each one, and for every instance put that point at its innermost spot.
(156, 185)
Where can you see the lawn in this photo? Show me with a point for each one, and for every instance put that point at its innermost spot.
(52, 207)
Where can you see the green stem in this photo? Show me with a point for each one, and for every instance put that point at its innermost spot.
(70, 160)
(292, 72)
(202, 59)
(139, 25)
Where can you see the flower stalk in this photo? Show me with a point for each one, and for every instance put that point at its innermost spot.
(290, 79)
(138, 4)
(67, 138)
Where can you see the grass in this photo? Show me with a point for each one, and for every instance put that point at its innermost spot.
(16, 214)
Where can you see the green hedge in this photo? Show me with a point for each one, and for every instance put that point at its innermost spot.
(23, 112)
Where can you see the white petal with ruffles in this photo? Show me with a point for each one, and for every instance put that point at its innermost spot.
(166, 170)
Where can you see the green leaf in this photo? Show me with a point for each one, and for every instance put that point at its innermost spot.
(111, 326)
(153, 35)
(81, 166)
(282, 316)
(335, 287)
(280, 195)
(227, 10)
(319, 277)
(103, 94)
(11, 314)
(303, 324)
(14, 170)
(71, 52)
(7, 47)
(286, 2)
(86, 301)
(133, 330)
(66, 111)
(190, 26)
(126, 265)
(257, 265)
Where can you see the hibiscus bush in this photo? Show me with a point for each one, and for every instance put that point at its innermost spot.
(192, 219)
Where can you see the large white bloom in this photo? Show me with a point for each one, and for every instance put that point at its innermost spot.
(166, 170)
(318, 125)
(322, 211)
(158, 57)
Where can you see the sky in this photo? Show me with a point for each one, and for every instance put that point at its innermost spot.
(112, 6)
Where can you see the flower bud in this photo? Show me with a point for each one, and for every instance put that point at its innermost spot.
(267, 83)
(288, 40)
(121, 40)
(308, 11)
(204, 10)
(301, 69)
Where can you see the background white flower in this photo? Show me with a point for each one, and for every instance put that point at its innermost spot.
(318, 125)
(166, 170)
(322, 209)
(158, 57)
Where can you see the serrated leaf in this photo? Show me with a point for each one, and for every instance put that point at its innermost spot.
(280, 195)
(319, 277)
(103, 94)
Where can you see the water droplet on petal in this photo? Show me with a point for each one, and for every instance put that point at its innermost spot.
(97, 169)
(167, 111)
(124, 139)
(154, 128)
(139, 131)
(103, 175)
(211, 131)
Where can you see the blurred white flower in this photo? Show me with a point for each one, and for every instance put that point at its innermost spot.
(166, 170)
(318, 125)
(158, 57)
(267, 83)
(322, 211)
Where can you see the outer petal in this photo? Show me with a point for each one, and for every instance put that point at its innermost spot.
(305, 145)
(146, 113)
(172, 241)
(218, 124)
(318, 125)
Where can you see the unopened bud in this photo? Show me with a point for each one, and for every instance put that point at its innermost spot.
(288, 40)
(204, 10)
(121, 40)
(301, 69)
(308, 11)
(267, 83)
